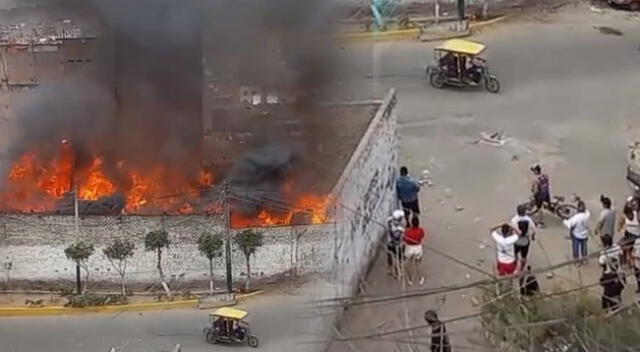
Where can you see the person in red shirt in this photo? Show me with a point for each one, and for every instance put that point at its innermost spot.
(413, 238)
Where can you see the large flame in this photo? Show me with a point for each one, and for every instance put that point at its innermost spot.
(312, 207)
(34, 185)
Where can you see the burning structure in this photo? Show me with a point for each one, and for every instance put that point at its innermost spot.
(165, 111)
(141, 135)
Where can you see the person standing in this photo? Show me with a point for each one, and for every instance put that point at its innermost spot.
(439, 337)
(528, 283)
(610, 255)
(630, 226)
(607, 222)
(612, 287)
(395, 231)
(505, 237)
(408, 188)
(541, 191)
(413, 239)
(527, 229)
(578, 226)
(635, 256)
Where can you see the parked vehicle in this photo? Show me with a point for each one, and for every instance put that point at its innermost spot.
(558, 206)
(228, 326)
(458, 63)
(633, 5)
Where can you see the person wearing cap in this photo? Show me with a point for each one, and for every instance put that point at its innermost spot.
(439, 337)
(395, 231)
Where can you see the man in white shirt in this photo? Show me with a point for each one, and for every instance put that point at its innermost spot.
(578, 226)
(505, 237)
(610, 255)
(527, 229)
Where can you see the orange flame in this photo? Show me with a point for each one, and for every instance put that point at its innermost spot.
(36, 186)
(97, 184)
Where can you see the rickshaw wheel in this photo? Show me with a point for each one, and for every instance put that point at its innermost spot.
(252, 341)
(437, 80)
(492, 85)
(211, 338)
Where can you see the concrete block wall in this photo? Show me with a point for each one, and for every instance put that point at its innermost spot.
(34, 245)
(341, 250)
(366, 193)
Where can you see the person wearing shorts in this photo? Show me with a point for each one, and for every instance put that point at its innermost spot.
(540, 188)
(527, 229)
(413, 239)
(408, 189)
(505, 237)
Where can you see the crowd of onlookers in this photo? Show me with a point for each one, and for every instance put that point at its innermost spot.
(619, 237)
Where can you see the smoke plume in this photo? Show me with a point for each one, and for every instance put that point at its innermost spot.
(145, 105)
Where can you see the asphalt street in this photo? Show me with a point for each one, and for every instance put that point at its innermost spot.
(275, 318)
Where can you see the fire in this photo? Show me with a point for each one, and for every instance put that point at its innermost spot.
(97, 184)
(314, 207)
(34, 185)
(37, 184)
(139, 192)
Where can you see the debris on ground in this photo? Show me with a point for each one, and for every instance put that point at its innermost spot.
(477, 219)
(448, 192)
(426, 178)
(595, 9)
(459, 208)
(515, 157)
(608, 30)
(497, 139)
(474, 301)
(550, 275)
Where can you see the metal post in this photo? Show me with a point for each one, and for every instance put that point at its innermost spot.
(76, 213)
(461, 10)
(227, 245)
(77, 225)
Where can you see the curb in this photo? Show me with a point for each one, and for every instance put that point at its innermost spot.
(409, 34)
(476, 25)
(43, 311)
(403, 34)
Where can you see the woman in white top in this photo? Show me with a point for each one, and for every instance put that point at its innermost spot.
(631, 226)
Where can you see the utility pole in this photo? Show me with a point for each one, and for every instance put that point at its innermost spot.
(77, 225)
(461, 10)
(227, 244)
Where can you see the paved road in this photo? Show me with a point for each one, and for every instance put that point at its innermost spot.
(569, 100)
(274, 318)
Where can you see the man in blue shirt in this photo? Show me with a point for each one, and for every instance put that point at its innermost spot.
(408, 189)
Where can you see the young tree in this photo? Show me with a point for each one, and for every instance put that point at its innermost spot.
(118, 253)
(210, 245)
(80, 252)
(248, 241)
(156, 241)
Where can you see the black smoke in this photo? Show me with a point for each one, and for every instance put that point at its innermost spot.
(145, 107)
